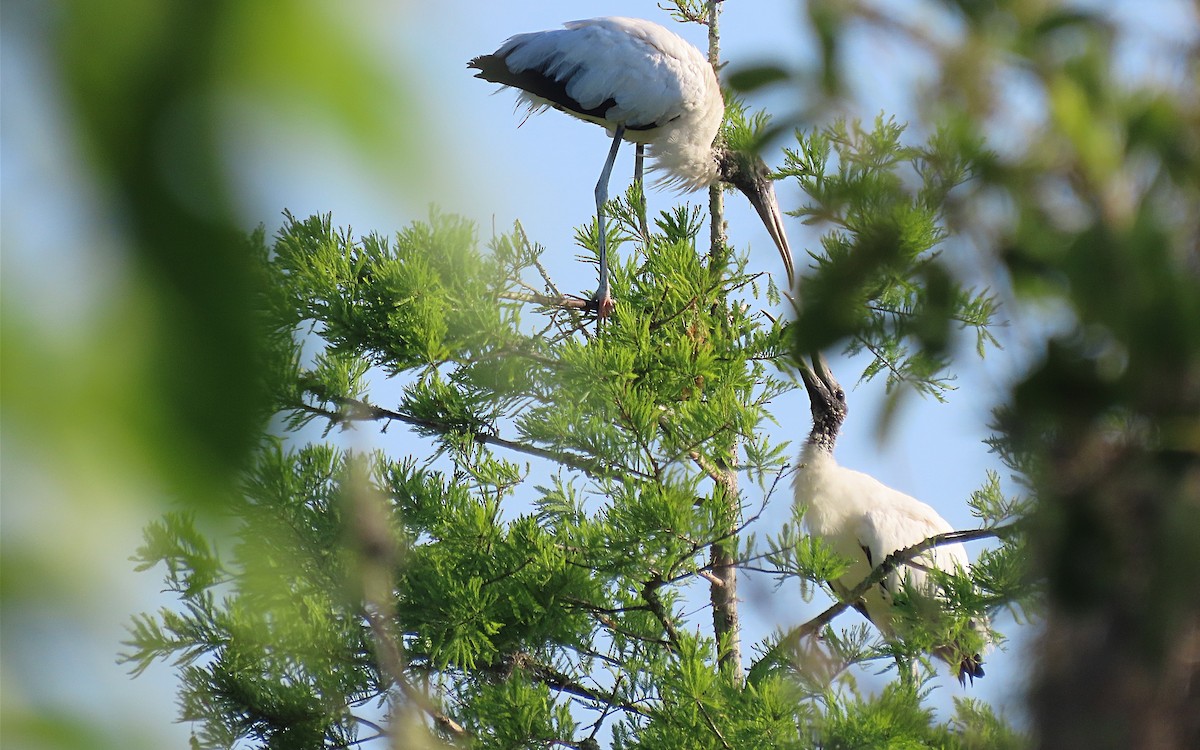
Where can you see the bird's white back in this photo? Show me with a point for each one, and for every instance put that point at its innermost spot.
(856, 514)
(661, 88)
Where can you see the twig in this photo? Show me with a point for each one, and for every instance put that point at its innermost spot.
(367, 410)
(553, 678)
(377, 552)
(651, 597)
(890, 563)
(537, 263)
(639, 159)
(715, 474)
(392, 663)
(564, 302)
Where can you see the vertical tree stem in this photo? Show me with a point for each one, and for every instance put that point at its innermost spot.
(716, 199)
(723, 595)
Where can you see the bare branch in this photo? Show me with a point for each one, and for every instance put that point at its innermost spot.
(552, 678)
(363, 410)
(651, 597)
(392, 662)
(564, 302)
(900, 557)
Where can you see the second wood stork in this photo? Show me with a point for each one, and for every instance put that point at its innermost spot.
(646, 85)
(864, 520)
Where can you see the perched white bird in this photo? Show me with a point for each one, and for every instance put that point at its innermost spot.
(646, 85)
(864, 520)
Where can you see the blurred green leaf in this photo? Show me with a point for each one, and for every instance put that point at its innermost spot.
(748, 79)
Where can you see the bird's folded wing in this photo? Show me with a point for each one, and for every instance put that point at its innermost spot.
(889, 529)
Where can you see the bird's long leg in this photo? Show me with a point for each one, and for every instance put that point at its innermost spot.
(603, 296)
(639, 161)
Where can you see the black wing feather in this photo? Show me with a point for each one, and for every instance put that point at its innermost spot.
(494, 68)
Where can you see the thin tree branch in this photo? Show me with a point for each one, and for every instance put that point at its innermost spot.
(564, 302)
(552, 678)
(651, 597)
(377, 552)
(362, 740)
(639, 159)
(712, 471)
(712, 725)
(370, 411)
(889, 564)
(393, 664)
(911, 314)
(900, 557)
(369, 723)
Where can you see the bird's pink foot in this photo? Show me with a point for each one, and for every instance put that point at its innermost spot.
(605, 306)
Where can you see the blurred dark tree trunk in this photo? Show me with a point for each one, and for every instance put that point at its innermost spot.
(1118, 664)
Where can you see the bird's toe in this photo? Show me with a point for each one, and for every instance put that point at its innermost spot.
(605, 307)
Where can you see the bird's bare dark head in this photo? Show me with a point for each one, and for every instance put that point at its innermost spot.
(826, 398)
(745, 170)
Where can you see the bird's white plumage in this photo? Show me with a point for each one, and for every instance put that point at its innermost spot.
(661, 87)
(864, 520)
(645, 85)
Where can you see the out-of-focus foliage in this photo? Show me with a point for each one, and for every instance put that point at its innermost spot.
(1086, 212)
(143, 380)
(877, 280)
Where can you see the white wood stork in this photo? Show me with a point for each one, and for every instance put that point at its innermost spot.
(864, 520)
(646, 85)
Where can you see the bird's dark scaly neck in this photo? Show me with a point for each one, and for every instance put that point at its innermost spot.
(828, 402)
(824, 434)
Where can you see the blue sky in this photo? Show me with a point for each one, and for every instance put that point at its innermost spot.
(482, 163)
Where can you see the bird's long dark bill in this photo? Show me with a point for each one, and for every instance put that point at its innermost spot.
(762, 197)
(818, 378)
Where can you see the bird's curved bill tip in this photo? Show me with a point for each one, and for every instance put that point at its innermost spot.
(762, 197)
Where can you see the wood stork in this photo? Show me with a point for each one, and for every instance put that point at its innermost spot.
(646, 85)
(864, 520)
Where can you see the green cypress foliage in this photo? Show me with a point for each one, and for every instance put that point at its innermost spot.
(525, 581)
